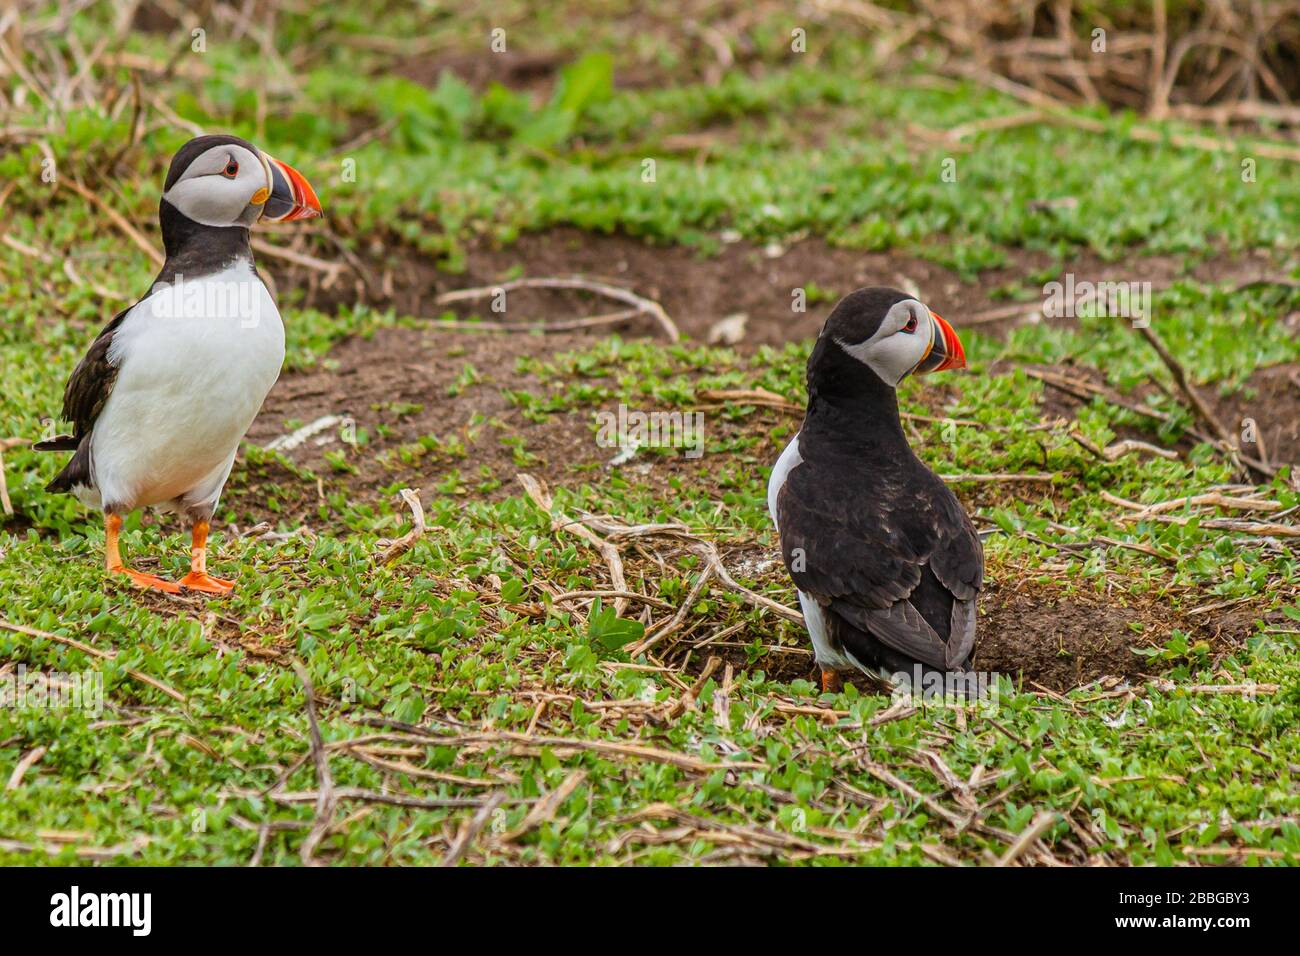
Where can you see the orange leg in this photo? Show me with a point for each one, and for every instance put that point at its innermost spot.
(831, 683)
(198, 579)
(113, 560)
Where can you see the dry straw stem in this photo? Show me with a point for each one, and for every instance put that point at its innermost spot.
(369, 755)
(326, 798)
(713, 570)
(470, 830)
(759, 839)
(28, 760)
(116, 218)
(1119, 449)
(96, 854)
(361, 794)
(609, 748)
(1158, 513)
(766, 399)
(1057, 115)
(541, 497)
(1194, 400)
(330, 270)
(1040, 825)
(998, 476)
(617, 533)
(395, 549)
(687, 700)
(1245, 690)
(93, 652)
(641, 304)
(1211, 498)
(752, 396)
(1207, 56)
(1085, 391)
(1261, 528)
(545, 809)
(570, 325)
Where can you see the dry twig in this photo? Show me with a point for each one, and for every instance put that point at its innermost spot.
(93, 652)
(641, 304)
(326, 798)
(393, 550)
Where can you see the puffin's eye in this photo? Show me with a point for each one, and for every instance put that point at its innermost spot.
(231, 170)
(910, 327)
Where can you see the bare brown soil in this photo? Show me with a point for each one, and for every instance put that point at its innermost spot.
(1034, 632)
(1270, 400)
(479, 69)
(1041, 636)
(699, 290)
(397, 386)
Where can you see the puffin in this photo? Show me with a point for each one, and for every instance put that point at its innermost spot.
(161, 400)
(884, 558)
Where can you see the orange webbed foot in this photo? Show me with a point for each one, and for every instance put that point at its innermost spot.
(148, 581)
(831, 683)
(206, 583)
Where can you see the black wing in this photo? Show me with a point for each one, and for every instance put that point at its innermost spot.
(84, 396)
(896, 559)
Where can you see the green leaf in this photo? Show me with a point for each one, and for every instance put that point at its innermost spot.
(606, 628)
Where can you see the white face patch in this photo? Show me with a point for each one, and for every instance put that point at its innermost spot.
(217, 187)
(894, 351)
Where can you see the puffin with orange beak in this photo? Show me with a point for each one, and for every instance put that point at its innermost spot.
(167, 390)
(885, 559)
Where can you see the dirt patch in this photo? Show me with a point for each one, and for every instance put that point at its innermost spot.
(1040, 634)
(153, 18)
(700, 290)
(423, 404)
(444, 413)
(1266, 406)
(1030, 630)
(479, 69)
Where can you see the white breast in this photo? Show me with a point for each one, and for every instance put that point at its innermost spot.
(826, 653)
(788, 460)
(195, 361)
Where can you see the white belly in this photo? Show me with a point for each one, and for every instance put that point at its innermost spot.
(789, 458)
(193, 371)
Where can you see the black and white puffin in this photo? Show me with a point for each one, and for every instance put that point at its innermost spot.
(884, 557)
(167, 390)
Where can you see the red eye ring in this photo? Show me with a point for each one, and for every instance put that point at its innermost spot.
(910, 327)
(231, 170)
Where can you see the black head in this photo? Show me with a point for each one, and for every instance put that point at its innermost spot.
(197, 147)
(857, 316)
(877, 336)
(222, 180)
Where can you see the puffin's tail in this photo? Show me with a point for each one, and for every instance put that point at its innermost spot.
(58, 443)
(77, 470)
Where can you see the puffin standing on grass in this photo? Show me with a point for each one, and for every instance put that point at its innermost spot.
(167, 390)
(885, 560)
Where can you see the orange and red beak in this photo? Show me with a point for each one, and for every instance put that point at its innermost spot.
(290, 196)
(945, 349)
